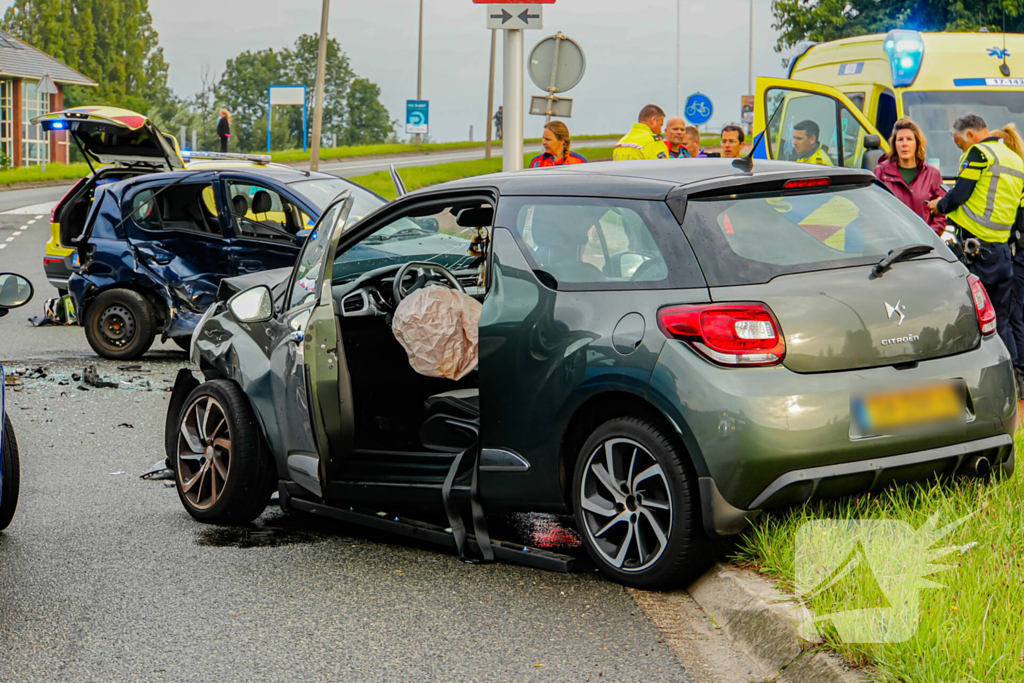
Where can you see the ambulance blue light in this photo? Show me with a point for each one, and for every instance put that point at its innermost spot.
(906, 51)
(58, 125)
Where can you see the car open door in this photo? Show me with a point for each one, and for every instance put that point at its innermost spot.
(843, 131)
(307, 343)
(109, 135)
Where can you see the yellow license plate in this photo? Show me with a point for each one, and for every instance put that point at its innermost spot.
(894, 411)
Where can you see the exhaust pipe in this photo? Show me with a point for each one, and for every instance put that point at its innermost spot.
(978, 466)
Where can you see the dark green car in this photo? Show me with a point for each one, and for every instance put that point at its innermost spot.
(665, 350)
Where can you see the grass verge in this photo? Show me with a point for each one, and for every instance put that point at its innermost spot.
(416, 177)
(35, 174)
(969, 630)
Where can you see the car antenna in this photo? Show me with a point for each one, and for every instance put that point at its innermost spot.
(746, 164)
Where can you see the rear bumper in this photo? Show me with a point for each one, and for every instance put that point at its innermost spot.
(861, 476)
(57, 271)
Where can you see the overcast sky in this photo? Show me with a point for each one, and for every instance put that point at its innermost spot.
(630, 47)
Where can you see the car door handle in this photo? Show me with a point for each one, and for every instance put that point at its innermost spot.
(249, 266)
(156, 256)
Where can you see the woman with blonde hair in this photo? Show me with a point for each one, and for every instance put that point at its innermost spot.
(1011, 138)
(557, 147)
(905, 171)
(224, 129)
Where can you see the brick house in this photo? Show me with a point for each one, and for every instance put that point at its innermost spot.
(21, 68)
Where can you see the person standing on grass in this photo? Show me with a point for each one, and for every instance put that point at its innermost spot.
(499, 121)
(224, 129)
(557, 148)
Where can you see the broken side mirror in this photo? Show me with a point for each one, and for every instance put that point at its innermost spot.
(15, 290)
(254, 305)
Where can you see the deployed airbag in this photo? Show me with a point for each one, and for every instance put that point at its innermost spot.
(439, 329)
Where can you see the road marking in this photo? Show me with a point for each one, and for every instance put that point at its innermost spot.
(36, 210)
(17, 233)
(3, 246)
(10, 239)
(24, 227)
(33, 220)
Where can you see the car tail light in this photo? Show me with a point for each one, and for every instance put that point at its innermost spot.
(728, 334)
(983, 305)
(49, 260)
(806, 182)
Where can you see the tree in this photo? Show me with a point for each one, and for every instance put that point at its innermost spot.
(369, 121)
(300, 68)
(112, 42)
(824, 20)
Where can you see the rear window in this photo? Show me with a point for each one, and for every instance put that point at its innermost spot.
(753, 238)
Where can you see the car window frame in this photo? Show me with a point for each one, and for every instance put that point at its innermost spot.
(156, 188)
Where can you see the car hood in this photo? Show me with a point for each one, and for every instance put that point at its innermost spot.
(109, 135)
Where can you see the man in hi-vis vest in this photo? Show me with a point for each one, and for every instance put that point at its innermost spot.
(983, 204)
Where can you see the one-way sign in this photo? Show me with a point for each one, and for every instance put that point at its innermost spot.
(515, 16)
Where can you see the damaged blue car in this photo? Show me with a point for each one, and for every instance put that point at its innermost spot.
(156, 247)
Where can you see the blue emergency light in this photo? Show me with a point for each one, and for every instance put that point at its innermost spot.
(55, 125)
(905, 50)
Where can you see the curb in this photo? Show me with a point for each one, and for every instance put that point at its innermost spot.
(762, 621)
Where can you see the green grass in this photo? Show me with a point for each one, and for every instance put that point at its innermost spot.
(971, 630)
(35, 174)
(421, 176)
(294, 155)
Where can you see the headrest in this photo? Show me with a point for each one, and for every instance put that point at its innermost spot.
(261, 202)
(479, 217)
(239, 204)
(564, 226)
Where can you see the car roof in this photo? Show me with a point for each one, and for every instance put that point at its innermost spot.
(653, 179)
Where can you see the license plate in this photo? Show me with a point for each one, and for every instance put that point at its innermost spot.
(74, 260)
(917, 407)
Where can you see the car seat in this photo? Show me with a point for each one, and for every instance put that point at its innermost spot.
(452, 420)
(559, 233)
(240, 204)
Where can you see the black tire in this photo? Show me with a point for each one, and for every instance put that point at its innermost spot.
(120, 324)
(182, 342)
(243, 468)
(12, 475)
(626, 520)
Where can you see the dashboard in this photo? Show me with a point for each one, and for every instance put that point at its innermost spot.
(372, 293)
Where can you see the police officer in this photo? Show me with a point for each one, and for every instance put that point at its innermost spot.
(806, 145)
(643, 141)
(983, 204)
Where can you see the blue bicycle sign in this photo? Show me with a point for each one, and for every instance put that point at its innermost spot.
(698, 109)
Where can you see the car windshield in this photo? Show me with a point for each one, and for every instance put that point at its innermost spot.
(935, 113)
(321, 191)
(754, 238)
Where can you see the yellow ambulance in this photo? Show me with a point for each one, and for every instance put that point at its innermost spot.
(855, 88)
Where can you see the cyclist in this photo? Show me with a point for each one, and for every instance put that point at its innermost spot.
(643, 141)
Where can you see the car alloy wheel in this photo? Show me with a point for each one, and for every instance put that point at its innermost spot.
(204, 453)
(117, 325)
(627, 504)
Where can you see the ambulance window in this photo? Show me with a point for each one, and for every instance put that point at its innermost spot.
(857, 98)
(885, 119)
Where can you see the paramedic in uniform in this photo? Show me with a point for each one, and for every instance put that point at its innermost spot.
(983, 204)
(643, 141)
(807, 145)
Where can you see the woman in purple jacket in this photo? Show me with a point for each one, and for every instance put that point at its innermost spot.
(904, 171)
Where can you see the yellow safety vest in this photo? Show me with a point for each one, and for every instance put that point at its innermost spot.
(991, 210)
(818, 156)
(640, 143)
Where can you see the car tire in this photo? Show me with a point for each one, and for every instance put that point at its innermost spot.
(643, 532)
(120, 324)
(223, 471)
(12, 475)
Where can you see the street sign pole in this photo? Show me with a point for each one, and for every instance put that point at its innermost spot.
(318, 105)
(490, 93)
(512, 82)
(419, 68)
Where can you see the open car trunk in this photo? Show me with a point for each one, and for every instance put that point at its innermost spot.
(73, 210)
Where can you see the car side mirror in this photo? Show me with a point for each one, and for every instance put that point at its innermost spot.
(428, 223)
(872, 142)
(15, 290)
(253, 305)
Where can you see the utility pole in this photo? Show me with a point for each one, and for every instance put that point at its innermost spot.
(490, 92)
(512, 82)
(318, 104)
(419, 69)
(750, 47)
(679, 75)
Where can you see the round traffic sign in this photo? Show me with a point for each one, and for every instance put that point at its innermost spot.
(698, 108)
(557, 63)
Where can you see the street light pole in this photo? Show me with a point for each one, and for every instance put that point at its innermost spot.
(750, 47)
(679, 76)
(419, 69)
(490, 92)
(318, 104)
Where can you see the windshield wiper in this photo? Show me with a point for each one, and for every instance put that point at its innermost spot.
(904, 253)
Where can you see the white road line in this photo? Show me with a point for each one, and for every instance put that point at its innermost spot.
(24, 227)
(10, 239)
(32, 221)
(3, 246)
(17, 233)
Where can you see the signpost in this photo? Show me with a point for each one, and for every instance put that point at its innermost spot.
(417, 117)
(556, 64)
(698, 109)
(46, 87)
(287, 95)
(512, 18)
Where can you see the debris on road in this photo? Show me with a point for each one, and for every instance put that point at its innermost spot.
(91, 377)
(158, 471)
(127, 424)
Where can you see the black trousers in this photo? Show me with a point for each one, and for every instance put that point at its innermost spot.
(1017, 309)
(223, 143)
(994, 267)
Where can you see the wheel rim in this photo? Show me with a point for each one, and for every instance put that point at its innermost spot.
(627, 505)
(117, 325)
(204, 453)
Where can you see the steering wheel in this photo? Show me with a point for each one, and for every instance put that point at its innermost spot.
(422, 268)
